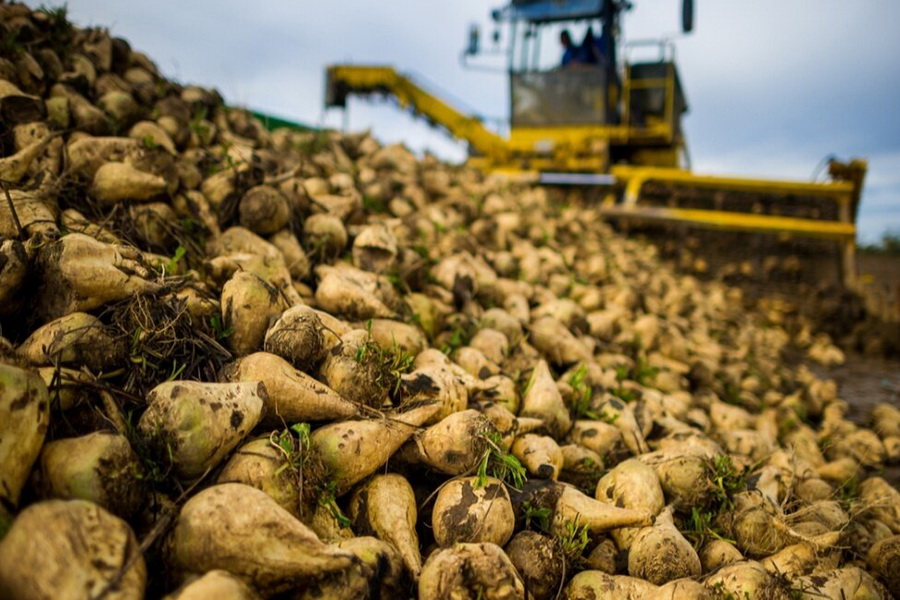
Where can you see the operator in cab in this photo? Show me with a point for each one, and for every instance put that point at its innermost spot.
(571, 52)
(591, 51)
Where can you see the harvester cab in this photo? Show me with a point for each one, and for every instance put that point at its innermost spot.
(575, 106)
(583, 112)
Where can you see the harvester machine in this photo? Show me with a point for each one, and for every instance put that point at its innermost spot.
(598, 118)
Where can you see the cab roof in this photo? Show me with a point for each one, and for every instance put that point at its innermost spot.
(546, 11)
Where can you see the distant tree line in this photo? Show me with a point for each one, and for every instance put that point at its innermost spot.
(889, 244)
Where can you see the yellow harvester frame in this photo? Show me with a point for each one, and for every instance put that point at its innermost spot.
(654, 149)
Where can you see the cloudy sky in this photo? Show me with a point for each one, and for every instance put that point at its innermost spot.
(774, 86)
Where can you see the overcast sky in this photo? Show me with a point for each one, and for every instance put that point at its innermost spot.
(774, 86)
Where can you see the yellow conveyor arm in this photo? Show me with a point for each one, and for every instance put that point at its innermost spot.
(346, 79)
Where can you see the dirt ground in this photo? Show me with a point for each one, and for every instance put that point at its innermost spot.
(879, 277)
(864, 382)
(884, 269)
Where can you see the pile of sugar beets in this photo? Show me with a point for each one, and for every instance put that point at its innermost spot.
(247, 364)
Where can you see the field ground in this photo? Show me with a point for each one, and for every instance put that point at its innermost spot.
(864, 382)
(881, 274)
